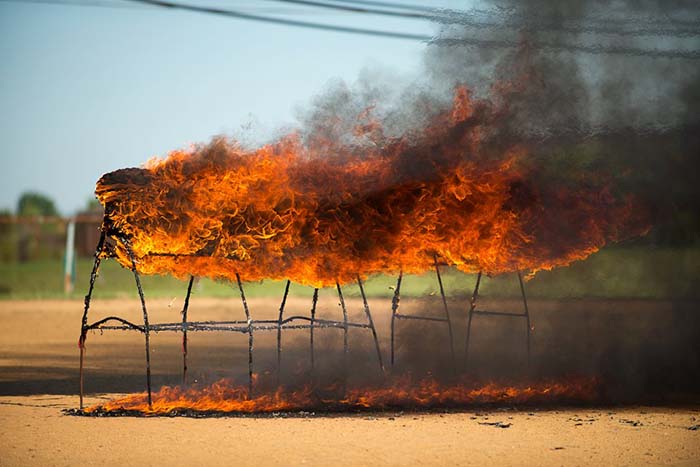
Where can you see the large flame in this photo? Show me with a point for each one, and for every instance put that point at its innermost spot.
(226, 397)
(321, 209)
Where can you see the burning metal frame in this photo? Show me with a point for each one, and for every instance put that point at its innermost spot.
(249, 325)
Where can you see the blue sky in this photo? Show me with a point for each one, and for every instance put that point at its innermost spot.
(86, 90)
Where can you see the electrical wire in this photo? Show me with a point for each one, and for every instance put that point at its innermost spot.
(400, 6)
(77, 3)
(436, 41)
(354, 9)
(282, 21)
(486, 19)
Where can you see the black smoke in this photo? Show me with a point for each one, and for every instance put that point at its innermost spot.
(597, 92)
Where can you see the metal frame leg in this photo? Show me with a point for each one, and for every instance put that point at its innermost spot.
(184, 330)
(447, 316)
(394, 309)
(279, 332)
(311, 329)
(146, 327)
(250, 336)
(527, 315)
(88, 297)
(472, 307)
(345, 333)
(371, 324)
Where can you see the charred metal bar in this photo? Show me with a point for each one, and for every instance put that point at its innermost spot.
(371, 324)
(127, 324)
(527, 315)
(262, 325)
(421, 318)
(472, 307)
(326, 323)
(345, 332)
(194, 327)
(499, 313)
(240, 329)
(447, 315)
(279, 332)
(394, 312)
(319, 323)
(184, 330)
(314, 301)
(88, 297)
(178, 325)
(256, 323)
(146, 329)
(250, 336)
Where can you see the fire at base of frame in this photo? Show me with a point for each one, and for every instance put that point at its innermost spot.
(226, 397)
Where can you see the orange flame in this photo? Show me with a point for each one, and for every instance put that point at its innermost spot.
(321, 209)
(226, 397)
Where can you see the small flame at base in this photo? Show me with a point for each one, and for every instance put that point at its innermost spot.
(224, 396)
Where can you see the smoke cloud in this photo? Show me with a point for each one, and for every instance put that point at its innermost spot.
(599, 89)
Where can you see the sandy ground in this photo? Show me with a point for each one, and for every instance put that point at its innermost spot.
(38, 378)
(33, 432)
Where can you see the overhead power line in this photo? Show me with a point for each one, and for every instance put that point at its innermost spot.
(488, 20)
(355, 9)
(76, 3)
(692, 54)
(478, 19)
(282, 21)
(399, 6)
(123, 4)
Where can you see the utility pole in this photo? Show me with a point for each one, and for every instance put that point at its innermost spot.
(69, 259)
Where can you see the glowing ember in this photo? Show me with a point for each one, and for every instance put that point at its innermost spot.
(323, 208)
(226, 397)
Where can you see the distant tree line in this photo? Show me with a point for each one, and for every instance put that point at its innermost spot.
(36, 204)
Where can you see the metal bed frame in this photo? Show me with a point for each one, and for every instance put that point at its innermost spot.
(249, 325)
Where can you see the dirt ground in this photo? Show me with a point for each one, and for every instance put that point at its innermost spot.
(647, 350)
(33, 432)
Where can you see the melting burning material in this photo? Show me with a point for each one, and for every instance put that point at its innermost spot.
(321, 212)
(226, 397)
(468, 182)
